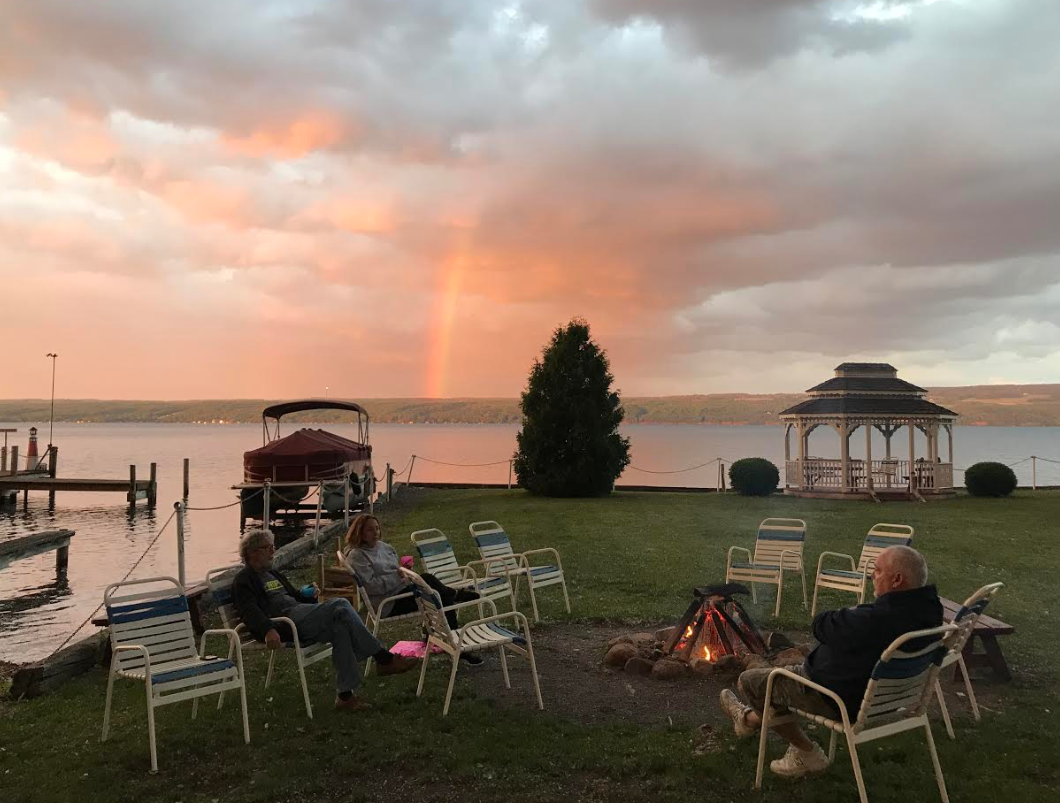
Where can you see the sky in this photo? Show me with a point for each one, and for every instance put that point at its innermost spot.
(388, 198)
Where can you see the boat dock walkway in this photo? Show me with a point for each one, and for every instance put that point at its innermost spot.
(133, 488)
(26, 546)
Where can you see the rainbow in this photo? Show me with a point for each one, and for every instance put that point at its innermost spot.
(441, 329)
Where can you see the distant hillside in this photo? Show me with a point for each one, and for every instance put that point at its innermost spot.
(994, 405)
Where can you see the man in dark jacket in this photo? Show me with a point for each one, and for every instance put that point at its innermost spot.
(265, 598)
(850, 642)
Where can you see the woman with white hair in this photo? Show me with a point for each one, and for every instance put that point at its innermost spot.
(261, 593)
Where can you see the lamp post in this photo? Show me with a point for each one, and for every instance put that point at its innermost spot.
(51, 418)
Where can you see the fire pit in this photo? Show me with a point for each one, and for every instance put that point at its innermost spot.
(715, 636)
(715, 625)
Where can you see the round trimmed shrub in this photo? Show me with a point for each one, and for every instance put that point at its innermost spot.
(754, 476)
(990, 479)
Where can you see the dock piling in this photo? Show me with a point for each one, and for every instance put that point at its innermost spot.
(53, 465)
(14, 459)
(187, 476)
(152, 489)
(179, 507)
(132, 484)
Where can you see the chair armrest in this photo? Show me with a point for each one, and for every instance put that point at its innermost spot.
(796, 556)
(383, 602)
(486, 562)
(234, 644)
(831, 695)
(519, 617)
(728, 555)
(480, 601)
(820, 560)
(294, 630)
(132, 648)
(542, 551)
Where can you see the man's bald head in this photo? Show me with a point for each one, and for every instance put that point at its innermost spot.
(899, 568)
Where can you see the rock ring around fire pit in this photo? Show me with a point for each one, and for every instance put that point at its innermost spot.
(716, 635)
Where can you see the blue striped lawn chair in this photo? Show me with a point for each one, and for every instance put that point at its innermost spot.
(895, 701)
(438, 558)
(152, 642)
(966, 619)
(855, 579)
(487, 633)
(498, 558)
(220, 583)
(778, 549)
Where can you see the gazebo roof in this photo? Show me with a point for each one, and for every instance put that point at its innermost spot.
(867, 389)
(866, 405)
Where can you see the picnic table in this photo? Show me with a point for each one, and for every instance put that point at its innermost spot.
(987, 630)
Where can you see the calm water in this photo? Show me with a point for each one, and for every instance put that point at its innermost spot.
(37, 611)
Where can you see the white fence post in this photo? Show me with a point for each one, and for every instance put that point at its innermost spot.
(320, 504)
(266, 499)
(179, 507)
(1034, 472)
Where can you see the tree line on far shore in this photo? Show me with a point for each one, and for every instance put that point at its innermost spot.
(994, 405)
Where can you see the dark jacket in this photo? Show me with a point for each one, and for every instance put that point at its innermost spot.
(851, 640)
(252, 602)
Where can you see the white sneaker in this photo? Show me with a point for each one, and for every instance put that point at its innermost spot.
(737, 710)
(797, 763)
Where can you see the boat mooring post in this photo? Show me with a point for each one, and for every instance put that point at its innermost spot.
(53, 466)
(152, 489)
(187, 476)
(132, 485)
(179, 507)
(412, 465)
(320, 505)
(266, 498)
(389, 482)
(346, 500)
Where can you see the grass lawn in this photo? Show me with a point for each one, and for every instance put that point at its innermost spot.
(630, 558)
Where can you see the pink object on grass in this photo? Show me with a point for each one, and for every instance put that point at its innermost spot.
(412, 649)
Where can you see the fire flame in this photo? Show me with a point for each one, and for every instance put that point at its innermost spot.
(688, 632)
(706, 653)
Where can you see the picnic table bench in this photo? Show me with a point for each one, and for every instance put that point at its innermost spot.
(987, 629)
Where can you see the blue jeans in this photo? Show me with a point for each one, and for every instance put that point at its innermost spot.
(336, 622)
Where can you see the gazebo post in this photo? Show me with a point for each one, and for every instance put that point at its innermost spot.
(802, 453)
(844, 453)
(888, 431)
(912, 455)
(868, 455)
(949, 431)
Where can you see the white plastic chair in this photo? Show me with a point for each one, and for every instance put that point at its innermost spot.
(856, 578)
(965, 619)
(778, 549)
(487, 633)
(220, 583)
(499, 558)
(895, 701)
(152, 641)
(374, 618)
(438, 558)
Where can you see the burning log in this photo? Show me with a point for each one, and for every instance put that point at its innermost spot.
(715, 624)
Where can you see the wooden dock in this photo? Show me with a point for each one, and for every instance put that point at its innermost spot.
(133, 488)
(27, 546)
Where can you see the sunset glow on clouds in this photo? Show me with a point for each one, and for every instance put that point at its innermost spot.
(405, 197)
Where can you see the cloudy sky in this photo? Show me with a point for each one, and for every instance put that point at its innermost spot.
(205, 199)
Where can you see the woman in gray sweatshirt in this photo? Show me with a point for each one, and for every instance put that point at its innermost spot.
(376, 563)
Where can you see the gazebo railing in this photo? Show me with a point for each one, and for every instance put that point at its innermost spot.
(827, 473)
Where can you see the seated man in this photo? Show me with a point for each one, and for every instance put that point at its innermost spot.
(850, 642)
(261, 592)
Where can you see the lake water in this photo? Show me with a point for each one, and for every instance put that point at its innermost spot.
(38, 610)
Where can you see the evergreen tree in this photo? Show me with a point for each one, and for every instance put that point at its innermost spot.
(569, 443)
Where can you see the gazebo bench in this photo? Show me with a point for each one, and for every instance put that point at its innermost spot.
(987, 630)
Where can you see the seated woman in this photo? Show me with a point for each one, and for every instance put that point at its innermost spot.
(376, 563)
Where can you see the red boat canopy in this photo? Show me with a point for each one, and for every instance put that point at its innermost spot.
(308, 454)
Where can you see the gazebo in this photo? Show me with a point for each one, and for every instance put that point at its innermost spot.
(868, 395)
